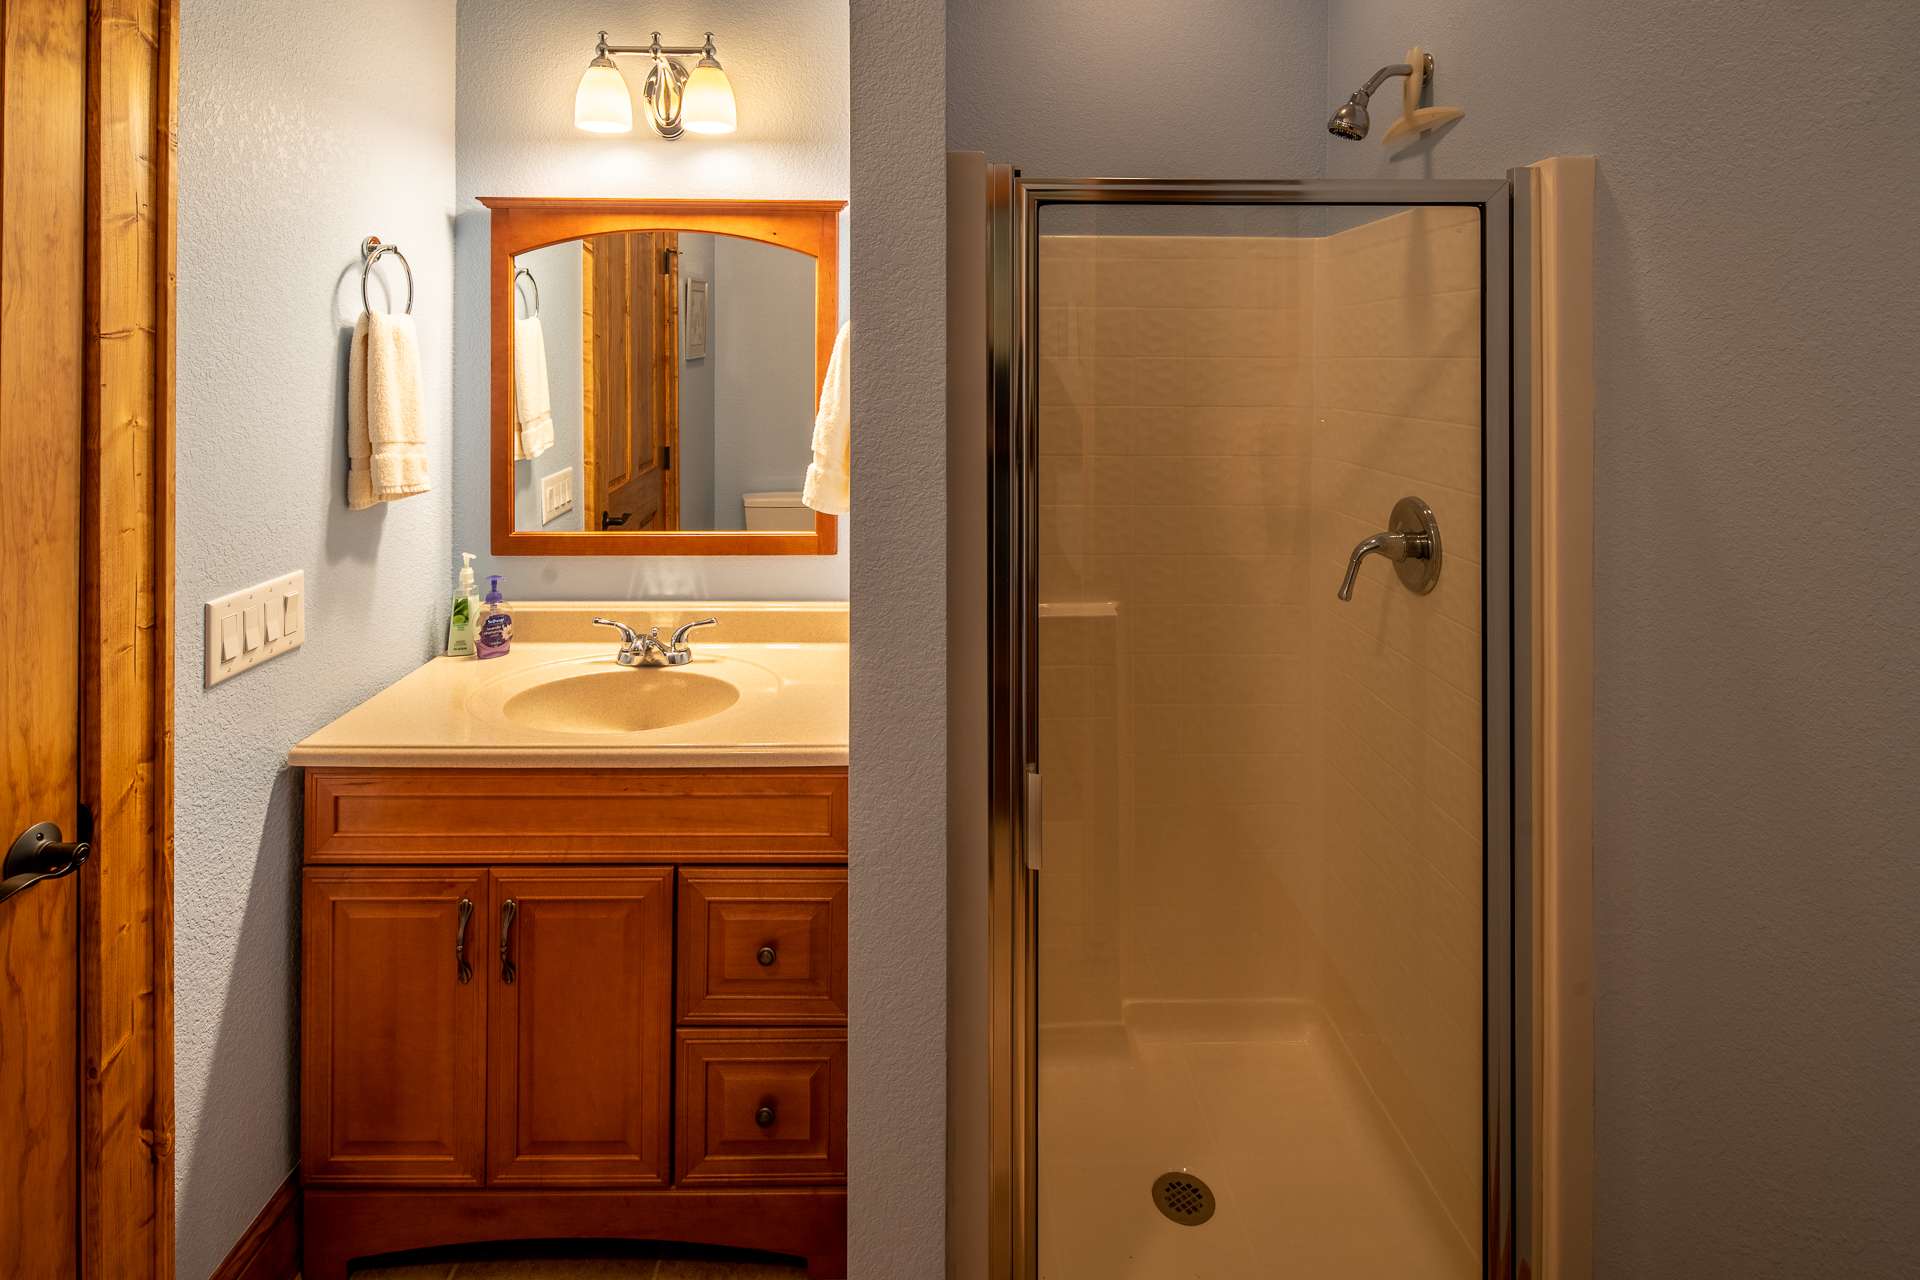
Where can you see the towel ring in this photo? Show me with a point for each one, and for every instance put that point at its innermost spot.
(536, 288)
(371, 251)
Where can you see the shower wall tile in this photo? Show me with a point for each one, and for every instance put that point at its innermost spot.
(1397, 681)
(1176, 397)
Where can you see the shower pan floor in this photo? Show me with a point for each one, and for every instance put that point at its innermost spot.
(1309, 1178)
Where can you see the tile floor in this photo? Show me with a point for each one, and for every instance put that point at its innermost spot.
(1308, 1178)
(584, 1262)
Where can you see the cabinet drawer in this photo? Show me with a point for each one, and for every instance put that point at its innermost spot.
(763, 947)
(558, 815)
(761, 1107)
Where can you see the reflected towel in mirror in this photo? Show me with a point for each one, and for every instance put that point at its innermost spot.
(829, 475)
(532, 405)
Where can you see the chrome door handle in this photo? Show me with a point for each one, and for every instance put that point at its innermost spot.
(508, 910)
(41, 853)
(460, 965)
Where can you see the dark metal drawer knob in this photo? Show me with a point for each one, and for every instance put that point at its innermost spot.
(765, 956)
(764, 1116)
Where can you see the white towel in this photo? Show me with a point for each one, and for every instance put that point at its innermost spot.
(532, 405)
(830, 475)
(386, 445)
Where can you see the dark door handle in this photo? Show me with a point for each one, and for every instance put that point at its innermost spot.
(39, 853)
(610, 521)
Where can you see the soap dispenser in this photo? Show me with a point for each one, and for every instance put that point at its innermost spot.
(496, 624)
(465, 614)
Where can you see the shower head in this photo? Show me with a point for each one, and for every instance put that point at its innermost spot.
(1350, 121)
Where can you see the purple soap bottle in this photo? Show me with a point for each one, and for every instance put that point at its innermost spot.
(495, 634)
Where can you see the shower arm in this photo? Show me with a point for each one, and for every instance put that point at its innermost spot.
(1386, 73)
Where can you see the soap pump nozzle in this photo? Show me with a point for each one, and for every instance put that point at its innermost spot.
(466, 573)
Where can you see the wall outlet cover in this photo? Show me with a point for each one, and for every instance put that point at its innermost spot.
(249, 627)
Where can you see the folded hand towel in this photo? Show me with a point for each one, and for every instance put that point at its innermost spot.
(829, 478)
(386, 447)
(532, 405)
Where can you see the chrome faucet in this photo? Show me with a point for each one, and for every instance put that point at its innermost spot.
(1412, 542)
(638, 650)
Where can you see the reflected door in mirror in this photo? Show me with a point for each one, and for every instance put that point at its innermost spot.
(631, 408)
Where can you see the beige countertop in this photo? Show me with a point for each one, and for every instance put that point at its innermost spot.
(792, 708)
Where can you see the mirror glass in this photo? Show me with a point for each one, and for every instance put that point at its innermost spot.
(678, 370)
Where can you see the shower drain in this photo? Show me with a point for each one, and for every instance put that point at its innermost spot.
(1183, 1197)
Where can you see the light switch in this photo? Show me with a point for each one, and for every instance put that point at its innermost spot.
(229, 637)
(247, 628)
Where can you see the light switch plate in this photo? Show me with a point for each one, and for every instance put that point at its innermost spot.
(275, 607)
(556, 495)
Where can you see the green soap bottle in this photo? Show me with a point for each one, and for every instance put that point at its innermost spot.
(466, 612)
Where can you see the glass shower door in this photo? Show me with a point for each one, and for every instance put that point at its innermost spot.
(1258, 929)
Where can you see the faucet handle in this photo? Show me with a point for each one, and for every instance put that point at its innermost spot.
(1411, 541)
(680, 635)
(628, 636)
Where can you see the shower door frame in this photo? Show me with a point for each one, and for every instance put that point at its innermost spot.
(1013, 226)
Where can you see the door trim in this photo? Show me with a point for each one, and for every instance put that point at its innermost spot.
(1014, 204)
(126, 890)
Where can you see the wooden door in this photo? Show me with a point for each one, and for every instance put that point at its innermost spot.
(626, 330)
(42, 248)
(396, 967)
(579, 1031)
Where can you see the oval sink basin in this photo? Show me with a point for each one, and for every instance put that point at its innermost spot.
(620, 701)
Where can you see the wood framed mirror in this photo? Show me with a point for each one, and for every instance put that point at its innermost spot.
(656, 366)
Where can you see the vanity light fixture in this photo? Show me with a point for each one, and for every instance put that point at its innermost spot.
(678, 100)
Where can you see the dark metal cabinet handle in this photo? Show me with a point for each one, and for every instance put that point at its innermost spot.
(508, 910)
(766, 957)
(464, 969)
(764, 1116)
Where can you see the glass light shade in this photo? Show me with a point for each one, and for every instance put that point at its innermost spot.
(706, 104)
(602, 104)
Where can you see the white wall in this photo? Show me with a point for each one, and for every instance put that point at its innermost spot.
(300, 135)
(1757, 700)
(763, 354)
(518, 66)
(897, 912)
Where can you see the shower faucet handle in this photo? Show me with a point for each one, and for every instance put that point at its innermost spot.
(1411, 541)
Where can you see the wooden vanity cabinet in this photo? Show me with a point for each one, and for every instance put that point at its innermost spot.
(601, 1036)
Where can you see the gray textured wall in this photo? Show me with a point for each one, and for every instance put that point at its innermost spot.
(897, 976)
(518, 66)
(300, 135)
(696, 401)
(763, 359)
(1133, 88)
(1757, 827)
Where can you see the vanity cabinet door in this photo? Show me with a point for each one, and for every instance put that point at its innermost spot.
(579, 1029)
(393, 1016)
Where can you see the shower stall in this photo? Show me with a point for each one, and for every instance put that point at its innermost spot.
(1253, 769)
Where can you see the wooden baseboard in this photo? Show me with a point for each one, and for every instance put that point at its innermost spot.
(269, 1249)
